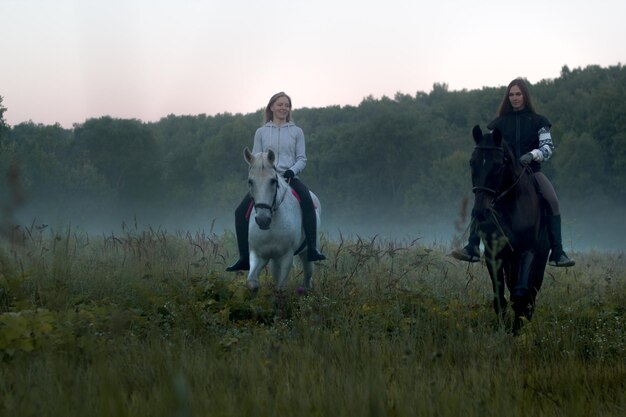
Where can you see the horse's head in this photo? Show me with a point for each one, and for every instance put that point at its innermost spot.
(264, 184)
(488, 165)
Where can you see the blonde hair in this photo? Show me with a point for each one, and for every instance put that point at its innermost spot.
(269, 115)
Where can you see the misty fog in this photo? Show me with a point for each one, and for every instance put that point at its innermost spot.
(584, 228)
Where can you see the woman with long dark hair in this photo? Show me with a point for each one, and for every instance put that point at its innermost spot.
(528, 134)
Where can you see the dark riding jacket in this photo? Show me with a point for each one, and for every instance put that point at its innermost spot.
(526, 132)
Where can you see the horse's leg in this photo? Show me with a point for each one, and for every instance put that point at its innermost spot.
(280, 270)
(307, 268)
(497, 281)
(256, 266)
(535, 281)
(523, 293)
(538, 269)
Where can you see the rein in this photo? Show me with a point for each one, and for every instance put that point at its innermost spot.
(496, 220)
(526, 170)
(494, 213)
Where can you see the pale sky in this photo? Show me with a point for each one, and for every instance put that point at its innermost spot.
(64, 61)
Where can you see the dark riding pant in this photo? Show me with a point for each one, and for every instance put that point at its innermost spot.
(309, 220)
(241, 225)
(548, 193)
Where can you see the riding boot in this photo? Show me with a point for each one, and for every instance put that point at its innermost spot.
(309, 222)
(241, 230)
(471, 251)
(557, 256)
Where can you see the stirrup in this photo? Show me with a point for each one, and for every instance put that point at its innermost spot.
(561, 261)
(466, 255)
(242, 264)
(313, 255)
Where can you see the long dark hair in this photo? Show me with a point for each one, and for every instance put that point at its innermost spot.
(268, 112)
(505, 105)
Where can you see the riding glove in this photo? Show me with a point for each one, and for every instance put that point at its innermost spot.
(526, 158)
(289, 174)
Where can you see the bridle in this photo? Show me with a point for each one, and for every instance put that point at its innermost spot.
(497, 195)
(273, 206)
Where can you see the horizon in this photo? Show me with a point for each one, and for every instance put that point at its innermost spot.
(70, 61)
(260, 109)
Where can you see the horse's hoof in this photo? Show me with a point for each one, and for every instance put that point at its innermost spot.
(518, 325)
(253, 287)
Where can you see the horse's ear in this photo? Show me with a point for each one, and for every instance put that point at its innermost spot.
(477, 133)
(247, 155)
(271, 156)
(497, 136)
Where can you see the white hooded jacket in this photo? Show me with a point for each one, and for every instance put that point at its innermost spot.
(287, 142)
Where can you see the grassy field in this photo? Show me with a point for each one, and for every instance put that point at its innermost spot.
(147, 324)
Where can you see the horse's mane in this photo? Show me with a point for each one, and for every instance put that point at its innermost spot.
(265, 163)
(508, 154)
(262, 161)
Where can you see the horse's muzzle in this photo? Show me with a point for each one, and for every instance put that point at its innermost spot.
(263, 221)
(482, 204)
(263, 216)
(481, 215)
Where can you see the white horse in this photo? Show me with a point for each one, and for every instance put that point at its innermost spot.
(276, 235)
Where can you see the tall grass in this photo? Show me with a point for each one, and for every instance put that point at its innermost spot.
(146, 323)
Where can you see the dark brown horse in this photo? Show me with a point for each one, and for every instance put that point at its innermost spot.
(508, 213)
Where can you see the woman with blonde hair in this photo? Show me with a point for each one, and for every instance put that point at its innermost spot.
(280, 134)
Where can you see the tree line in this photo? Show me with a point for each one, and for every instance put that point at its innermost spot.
(396, 158)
